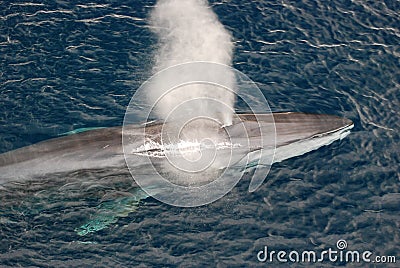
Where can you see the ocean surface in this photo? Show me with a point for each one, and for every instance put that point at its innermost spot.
(66, 65)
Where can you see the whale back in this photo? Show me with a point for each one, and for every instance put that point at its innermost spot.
(102, 148)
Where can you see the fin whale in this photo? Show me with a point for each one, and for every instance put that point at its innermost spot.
(97, 153)
(296, 134)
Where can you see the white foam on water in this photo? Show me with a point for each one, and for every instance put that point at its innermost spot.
(159, 150)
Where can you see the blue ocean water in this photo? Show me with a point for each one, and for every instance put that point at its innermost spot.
(73, 64)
